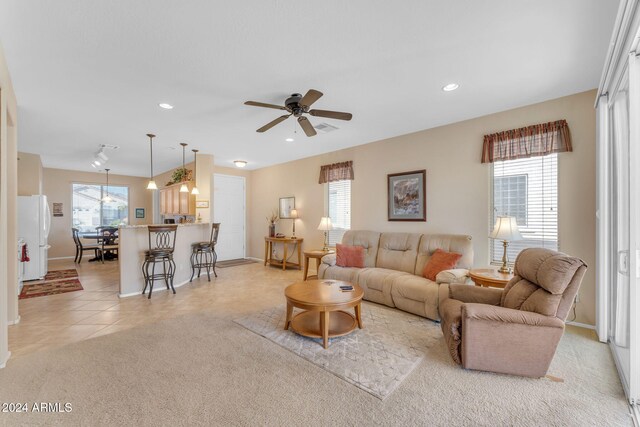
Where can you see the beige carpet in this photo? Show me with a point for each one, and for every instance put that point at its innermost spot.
(200, 369)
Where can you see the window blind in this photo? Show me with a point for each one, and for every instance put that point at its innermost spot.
(339, 209)
(526, 189)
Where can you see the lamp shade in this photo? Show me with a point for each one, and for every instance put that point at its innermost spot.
(506, 228)
(325, 224)
(152, 185)
(294, 213)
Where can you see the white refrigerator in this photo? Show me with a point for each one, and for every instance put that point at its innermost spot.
(34, 223)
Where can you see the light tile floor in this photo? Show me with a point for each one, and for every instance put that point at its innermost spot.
(56, 320)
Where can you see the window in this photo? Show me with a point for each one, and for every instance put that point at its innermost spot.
(339, 209)
(89, 211)
(526, 189)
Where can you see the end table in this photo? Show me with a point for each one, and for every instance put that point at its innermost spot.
(317, 254)
(490, 277)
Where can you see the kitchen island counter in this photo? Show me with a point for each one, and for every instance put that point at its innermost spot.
(133, 241)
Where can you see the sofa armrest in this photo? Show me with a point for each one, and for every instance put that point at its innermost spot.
(456, 275)
(475, 294)
(473, 311)
(329, 259)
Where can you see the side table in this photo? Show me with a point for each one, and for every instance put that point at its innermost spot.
(490, 277)
(268, 251)
(317, 254)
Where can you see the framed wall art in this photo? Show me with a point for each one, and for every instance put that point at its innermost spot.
(287, 204)
(406, 194)
(139, 212)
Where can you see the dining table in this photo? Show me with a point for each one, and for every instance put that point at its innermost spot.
(110, 239)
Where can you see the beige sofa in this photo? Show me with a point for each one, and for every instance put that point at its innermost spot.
(393, 268)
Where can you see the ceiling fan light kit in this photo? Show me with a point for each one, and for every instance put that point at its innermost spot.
(297, 106)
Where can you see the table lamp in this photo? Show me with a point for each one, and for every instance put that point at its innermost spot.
(506, 229)
(325, 225)
(294, 216)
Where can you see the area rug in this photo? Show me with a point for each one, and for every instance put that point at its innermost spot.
(234, 262)
(375, 359)
(55, 282)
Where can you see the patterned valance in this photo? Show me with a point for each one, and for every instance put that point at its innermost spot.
(336, 172)
(530, 141)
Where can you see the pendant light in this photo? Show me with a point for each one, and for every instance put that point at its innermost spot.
(183, 187)
(195, 190)
(107, 198)
(152, 184)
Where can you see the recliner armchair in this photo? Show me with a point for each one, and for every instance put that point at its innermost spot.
(515, 330)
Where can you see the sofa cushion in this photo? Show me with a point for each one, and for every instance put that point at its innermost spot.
(416, 295)
(461, 244)
(377, 283)
(398, 251)
(415, 288)
(369, 240)
(349, 256)
(440, 261)
(348, 274)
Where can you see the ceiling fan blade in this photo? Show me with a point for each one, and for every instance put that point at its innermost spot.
(273, 123)
(306, 126)
(331, 114)
(262, 104)
(310, 97)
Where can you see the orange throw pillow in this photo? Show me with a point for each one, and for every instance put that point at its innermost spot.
(349, 256)
(440, 261)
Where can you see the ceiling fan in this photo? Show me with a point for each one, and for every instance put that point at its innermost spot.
(298, 105)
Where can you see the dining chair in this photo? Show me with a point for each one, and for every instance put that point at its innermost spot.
(108, 236)
(80, 248)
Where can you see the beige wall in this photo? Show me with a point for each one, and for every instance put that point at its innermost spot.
(457, 184)
(57, 188)
(30, 174)
(8, 204)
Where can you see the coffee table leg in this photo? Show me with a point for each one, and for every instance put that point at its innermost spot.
(325, 328)
(289, 314)
(359, 315)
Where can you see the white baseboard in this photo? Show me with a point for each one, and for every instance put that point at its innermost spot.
(4, 362)
(14, 322)
(160, 289)
(582, 325)
(61, 257)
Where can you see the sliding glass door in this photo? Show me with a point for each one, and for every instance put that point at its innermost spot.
(619, 291)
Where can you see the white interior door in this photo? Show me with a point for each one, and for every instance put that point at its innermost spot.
(229, 209)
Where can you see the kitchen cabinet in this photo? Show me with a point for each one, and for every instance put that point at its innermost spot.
(173, 202)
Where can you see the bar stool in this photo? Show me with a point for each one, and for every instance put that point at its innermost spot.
(162, 243)
(203, 254)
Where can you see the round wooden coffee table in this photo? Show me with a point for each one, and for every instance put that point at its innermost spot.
(323, 303)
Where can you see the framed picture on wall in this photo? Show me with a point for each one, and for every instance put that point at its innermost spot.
(287, 204)
(139, 212)
(406, 194)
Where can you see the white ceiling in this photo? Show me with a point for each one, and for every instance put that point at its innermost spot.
(90, 72)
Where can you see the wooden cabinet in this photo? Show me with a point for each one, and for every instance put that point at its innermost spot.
(173, 202)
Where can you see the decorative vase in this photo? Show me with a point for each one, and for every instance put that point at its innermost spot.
(272, 230)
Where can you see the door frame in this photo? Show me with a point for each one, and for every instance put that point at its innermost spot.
(244, 206)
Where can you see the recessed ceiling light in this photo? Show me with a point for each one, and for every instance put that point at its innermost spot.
(240, 163)
(450, 87)
(166, 106)
(289, 139)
